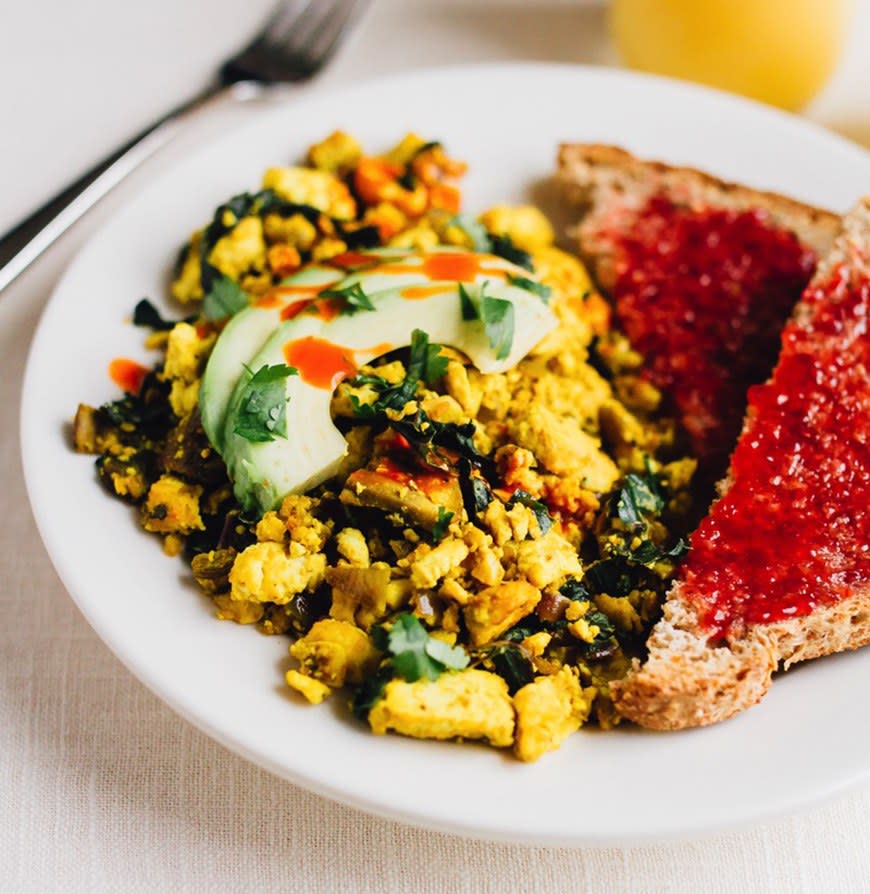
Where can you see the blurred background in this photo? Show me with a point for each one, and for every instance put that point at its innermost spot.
(79, 78)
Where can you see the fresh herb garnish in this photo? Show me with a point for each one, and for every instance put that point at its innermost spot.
(425, 364)
(146, 314)
(496, 314)
(414, 654)
(531, 285)
(225, 298)
(262, 414)
(441, 524)
(541, 513)
(503, 246)
(355, 298)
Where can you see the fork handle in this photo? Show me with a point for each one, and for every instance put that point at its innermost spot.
(21, 246)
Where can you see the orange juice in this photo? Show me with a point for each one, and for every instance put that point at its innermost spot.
(777, 51)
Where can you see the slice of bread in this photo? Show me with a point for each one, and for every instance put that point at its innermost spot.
(608, 185)
(687, 679)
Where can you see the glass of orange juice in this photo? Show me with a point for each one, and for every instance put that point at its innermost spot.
(777, 51)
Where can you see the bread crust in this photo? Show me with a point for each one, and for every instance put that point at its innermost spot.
(606, 185)
(686, 681)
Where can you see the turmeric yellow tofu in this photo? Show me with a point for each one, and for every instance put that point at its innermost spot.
(548, 710)
(335, 652)
(494, 609)
(469, 704)
(266, 572)
(172, 506)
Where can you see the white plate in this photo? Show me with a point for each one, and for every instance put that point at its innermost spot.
(806, 741)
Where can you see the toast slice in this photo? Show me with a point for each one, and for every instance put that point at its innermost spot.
(703, 274)
(779, 571)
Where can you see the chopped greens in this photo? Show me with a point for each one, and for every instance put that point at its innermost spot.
(262, 412)
(639, 496)
(371, 691)
(511, 662)
(531, 285)
(355, 298)
(441, 524)
(504, 247)
(413, 653)
(542, 514)
(146, 314)
(224, 299)
(497, 316)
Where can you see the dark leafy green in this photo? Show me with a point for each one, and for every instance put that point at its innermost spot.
(531, 285)
(542, 514)
(497, 316)
(511, 663)
(441, 524)
(355, 298)
(146, 314)
(371, 691)
(262, 414)
(503, 246)
(638, 497)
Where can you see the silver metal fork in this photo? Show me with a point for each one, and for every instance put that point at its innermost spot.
(295, 42)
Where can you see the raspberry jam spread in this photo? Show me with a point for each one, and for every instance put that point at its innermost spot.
(793, 531)
(703, 294)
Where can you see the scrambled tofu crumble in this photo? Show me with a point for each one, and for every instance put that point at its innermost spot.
(489, 589)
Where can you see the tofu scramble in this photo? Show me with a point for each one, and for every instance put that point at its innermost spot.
(492, 548)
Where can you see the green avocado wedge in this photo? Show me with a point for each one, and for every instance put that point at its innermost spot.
(493, 322)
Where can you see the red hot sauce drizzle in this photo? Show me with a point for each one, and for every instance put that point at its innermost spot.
(703, 295)
(793, 531)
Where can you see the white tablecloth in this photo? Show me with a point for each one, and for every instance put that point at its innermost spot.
(103, 788)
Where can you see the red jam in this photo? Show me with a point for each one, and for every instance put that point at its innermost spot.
(703, 296)
(127, 374)
(793, 532)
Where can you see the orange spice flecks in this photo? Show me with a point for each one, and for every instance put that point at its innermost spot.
(320, 362)
(127, 374)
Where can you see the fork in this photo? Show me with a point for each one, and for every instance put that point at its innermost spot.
(295, 42)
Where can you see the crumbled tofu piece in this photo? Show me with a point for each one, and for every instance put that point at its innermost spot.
(296, 230)
(335, 652)
(429, 565)
(172, 507)
(187, 286)
(548, 710)
(265, 572)
(319, 189)
(547, 559)
(313, 690)
(469, 704)
(242, 248)
(351, 544)
(525, 225)
(365, 596)
(271, 527)
(493, 610)
(338, 151)
(229, 609)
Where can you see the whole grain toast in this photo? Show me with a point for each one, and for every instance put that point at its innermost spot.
(606, 185)
(689, 680)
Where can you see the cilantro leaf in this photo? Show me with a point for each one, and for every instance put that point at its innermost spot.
(355, 298)
(503, 246)
(262, 414)
(475, 231)
(416, 655)
(441, 524)
(497, 315)
(542, 514)
(469, 311)
(146, 314)
(531, 285)
(426, 363)
(224, 299)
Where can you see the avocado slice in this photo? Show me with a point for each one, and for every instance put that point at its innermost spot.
(243, 336)
(263, 472)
